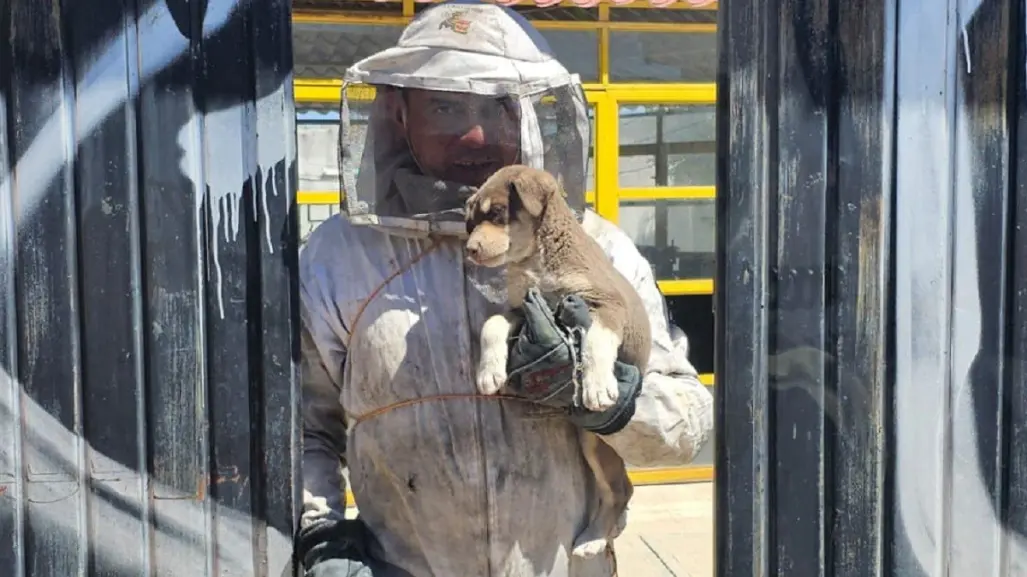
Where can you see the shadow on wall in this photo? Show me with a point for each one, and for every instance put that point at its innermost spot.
(148, 378)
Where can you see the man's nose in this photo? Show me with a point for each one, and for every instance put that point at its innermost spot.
(474, 137)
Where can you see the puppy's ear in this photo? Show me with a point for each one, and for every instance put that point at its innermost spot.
(523, 198)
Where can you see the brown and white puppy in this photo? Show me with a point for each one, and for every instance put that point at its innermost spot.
(519, 219)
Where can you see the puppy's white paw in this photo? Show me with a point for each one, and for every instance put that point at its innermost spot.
(599, 390)
(492, 372)
(589, 549)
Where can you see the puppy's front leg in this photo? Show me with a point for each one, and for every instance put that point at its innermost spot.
(599, 386)
(495, 352)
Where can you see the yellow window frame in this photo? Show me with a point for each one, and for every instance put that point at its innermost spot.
(328, 16)
(608, 194)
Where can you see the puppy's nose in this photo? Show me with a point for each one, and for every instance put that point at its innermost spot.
(472, 252)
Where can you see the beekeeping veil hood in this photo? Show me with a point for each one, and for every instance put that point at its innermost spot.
(461, 46)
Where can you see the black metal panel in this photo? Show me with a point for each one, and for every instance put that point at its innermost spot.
(745, 179)
(1013, 506)
(983, 482)
(148, 394)
(805, 129)
(871, 288)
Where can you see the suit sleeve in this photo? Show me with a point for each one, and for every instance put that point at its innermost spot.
(323, 356)
(673, 416)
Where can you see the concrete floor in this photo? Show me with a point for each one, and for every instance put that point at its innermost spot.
(669, 532)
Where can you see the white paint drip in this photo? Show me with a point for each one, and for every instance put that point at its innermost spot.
(272, 147)
(225, 131)
(267, 218)
(966, 52)
(103, 89)
(967, 9)
(216, 216)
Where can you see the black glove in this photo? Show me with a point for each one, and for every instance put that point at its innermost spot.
(334, 548)
(545, 359)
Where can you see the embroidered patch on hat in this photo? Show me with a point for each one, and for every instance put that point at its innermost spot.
(456, 22)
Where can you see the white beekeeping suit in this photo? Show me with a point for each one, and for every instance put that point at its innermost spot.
(451, 485)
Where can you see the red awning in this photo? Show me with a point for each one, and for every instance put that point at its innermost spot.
(590, 3)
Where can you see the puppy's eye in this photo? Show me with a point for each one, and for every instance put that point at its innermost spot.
(497, 214)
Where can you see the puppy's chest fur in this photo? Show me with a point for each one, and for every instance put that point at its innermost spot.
(522, 277)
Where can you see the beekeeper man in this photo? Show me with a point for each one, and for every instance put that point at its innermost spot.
(450, 484)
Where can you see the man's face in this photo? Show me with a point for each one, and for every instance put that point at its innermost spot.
(461, 137)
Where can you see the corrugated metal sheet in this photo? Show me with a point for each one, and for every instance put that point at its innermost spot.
(872, 289)
(148, 392)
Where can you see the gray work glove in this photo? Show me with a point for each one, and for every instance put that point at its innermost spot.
(339, 568)
(545, 357)
(334, 548)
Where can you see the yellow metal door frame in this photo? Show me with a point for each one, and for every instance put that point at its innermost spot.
(606, 194)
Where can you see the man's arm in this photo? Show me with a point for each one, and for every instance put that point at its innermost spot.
(324, 425)
(327, 544)
(674, 412)
(673, 416)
